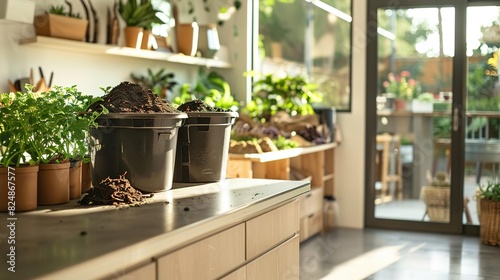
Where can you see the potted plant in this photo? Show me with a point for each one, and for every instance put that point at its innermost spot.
(489, 199)
(403, 88)
(424, 103)
(437, 198)
(56, 22)
(60, 139)
(18, 173)
(138, 16)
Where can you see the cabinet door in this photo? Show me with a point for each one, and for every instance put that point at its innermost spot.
(280, 263)
(209, 258)
(269, 229)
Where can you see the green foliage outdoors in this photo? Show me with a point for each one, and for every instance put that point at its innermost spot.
(271, 94)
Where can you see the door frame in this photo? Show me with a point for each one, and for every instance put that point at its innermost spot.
(459, 86)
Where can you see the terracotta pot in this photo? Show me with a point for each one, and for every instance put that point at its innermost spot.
(86, 179)
(23, 188)
(53, 183)
(187, 38)
(75, 179)
(147, 40)
(399, 105)
(133, 36)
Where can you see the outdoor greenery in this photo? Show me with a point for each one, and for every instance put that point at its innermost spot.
(491, 191)
(292, 94)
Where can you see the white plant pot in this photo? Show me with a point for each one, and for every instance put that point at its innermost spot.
(418, 106)
(22, 11)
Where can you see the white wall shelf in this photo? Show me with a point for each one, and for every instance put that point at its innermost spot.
(83, 47)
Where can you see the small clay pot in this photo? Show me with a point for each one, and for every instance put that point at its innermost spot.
(53, 183)
(22, 187)
(75, 179)
(86, 178)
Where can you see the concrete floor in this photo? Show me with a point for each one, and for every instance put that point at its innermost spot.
(347, 254)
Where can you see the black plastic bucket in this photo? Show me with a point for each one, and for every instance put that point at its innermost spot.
(143, 145)
(203, 146)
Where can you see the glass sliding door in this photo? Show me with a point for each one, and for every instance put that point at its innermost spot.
(414, 57)
(482, 116)
(415, 61)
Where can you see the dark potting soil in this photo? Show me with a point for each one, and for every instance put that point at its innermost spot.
(132, 98)
(117, 191)
(198, 105)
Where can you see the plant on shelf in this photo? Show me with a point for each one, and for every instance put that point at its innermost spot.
(160, 82)
(59, 23)
(436, 197)
(139, 15)
(402, 87)
(488, 198)
(291, 94)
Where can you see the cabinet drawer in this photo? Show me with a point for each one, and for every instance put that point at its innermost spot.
(206, 259)
(239, 274)
(311, 225)
(311, 202)
(280, 263)
(271, 228)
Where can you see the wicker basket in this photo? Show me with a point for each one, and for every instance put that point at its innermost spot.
(437, 202)
(490, 222)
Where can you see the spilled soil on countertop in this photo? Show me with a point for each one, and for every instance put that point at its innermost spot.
(132, 98)
(117, 191)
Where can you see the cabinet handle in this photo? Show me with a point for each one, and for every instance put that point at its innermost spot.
(310, 216)
(308, 195)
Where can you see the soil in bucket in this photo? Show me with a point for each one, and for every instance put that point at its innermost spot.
(138, 137)
(203, 143)
(21, 190)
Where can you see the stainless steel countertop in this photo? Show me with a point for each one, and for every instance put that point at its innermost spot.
(64, 241)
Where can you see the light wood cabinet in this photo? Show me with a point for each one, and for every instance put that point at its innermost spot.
(209, 258)
(315, 161)
(263, 247)
(279, 263)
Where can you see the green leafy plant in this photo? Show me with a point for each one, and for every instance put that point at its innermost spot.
(491, 191)
(64, 124)
(139, 13)
(18, 125)
(60, 10)
(271, 94)
(210, 87)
